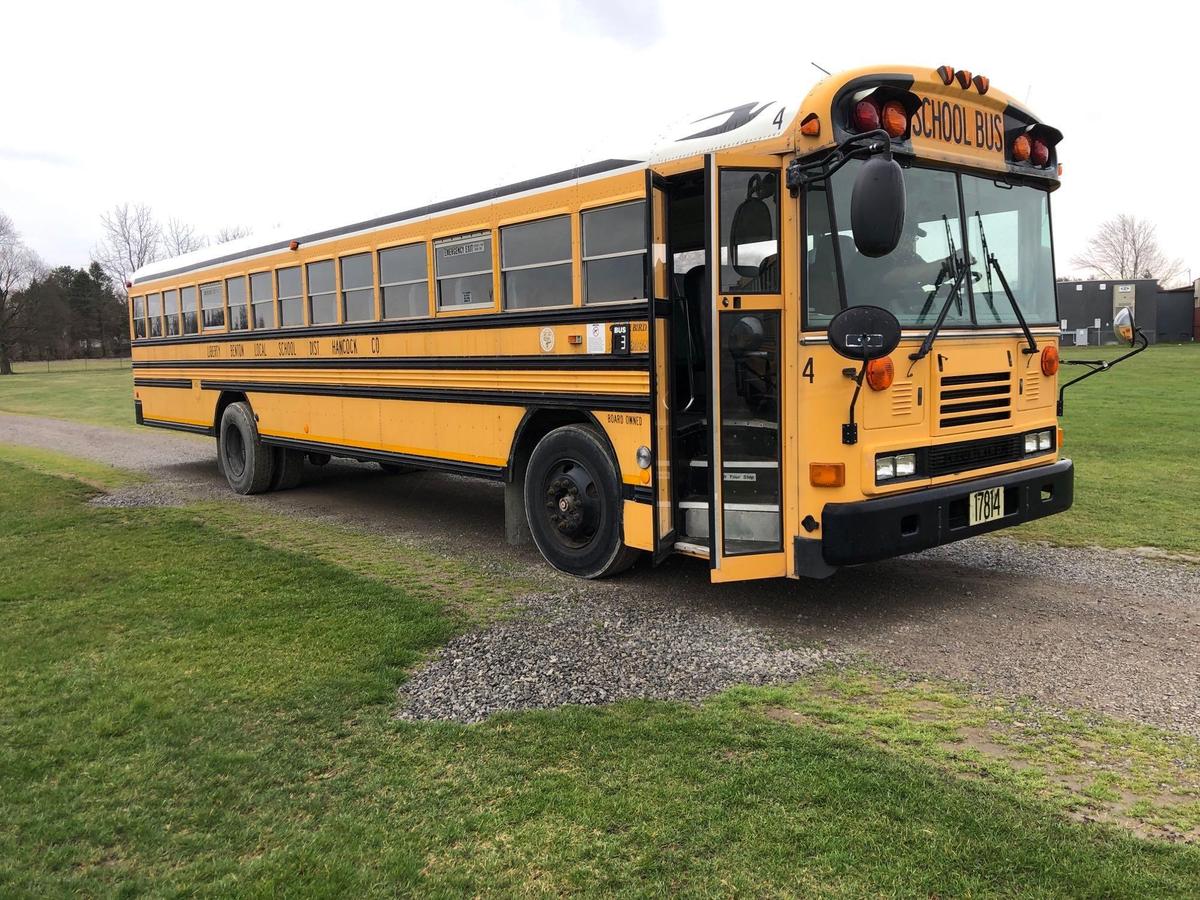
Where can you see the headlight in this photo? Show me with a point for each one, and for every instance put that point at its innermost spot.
(906, 465)
(1043, 440)
(1031, 442)
(885, 468)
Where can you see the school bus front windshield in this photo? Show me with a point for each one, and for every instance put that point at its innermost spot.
(1008, 221)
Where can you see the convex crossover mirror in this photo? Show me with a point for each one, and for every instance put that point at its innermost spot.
(863, 333)
(1123, 326)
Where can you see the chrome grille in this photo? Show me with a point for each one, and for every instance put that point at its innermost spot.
(974, 399)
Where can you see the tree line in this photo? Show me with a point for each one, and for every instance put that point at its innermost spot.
(67, 312)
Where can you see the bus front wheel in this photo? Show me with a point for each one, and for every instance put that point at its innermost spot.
(247, 462)
(573, 502)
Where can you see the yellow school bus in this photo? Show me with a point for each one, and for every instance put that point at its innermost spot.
(792, 337)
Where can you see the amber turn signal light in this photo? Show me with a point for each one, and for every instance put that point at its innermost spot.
(1021, 147)
(880, 374)
(1050, 359)
(895, 119)
(811, 126)
(827, 474)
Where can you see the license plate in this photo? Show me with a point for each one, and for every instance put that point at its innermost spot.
(985, 506)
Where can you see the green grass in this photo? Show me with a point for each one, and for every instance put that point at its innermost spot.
(196, 702)
(1131, 432)
(98, 398)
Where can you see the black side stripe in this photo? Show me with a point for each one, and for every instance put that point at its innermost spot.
(163, 382)
(615, 402)
(596, 363)
(178, 426)
(478, 470)
(617, 312)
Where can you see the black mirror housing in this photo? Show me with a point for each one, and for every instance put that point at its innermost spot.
(863, 333)
(877, 206)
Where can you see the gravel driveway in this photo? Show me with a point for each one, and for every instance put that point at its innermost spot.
(1115, 632)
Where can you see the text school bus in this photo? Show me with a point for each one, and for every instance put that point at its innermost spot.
(796, 336)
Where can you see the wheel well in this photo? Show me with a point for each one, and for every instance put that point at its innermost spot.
(536, 425)
(226, 398)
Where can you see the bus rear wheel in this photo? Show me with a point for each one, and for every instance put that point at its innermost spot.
(246, 461)
(573, 503)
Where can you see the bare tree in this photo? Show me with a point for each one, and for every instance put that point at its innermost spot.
(1127, 247)
(231, 233)
(132, 238)
(18, 266)
(180, 238)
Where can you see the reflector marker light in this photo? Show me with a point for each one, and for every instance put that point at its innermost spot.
(827, 474)
(982, 83)
(964, 78)
(811, 126)
(946, 73)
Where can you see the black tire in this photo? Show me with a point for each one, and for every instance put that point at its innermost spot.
(289, 469)
(396, 468)
(573, 501)
(246, 461)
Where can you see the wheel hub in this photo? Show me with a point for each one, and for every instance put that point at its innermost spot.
(571, 503)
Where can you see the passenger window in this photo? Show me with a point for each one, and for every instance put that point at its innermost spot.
(322, 305)
(749, 232)
(535, 263)
(235, 290)
(154, 314)
(404, 281)
(464, 271)
(139, 316)
(614, 253)
(358, 291)
(291, 298)
(212, 306)
(171, 311)
(261, 300)
(191, 320)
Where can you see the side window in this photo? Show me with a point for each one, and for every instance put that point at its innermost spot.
(322, 303)
(404, 281)
(291, 299)
(139, 316)
(463, 267)
(235, 290)
(614, 253)
(191, 318)
(262, 298)
(749, 232)
(212, 306)
(535, 263)
(154, 314)
(358, 288)
(171, 311)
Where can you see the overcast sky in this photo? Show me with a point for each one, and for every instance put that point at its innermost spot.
(267, 114)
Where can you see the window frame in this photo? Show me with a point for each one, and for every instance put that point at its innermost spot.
(308, 294)
(245, 302)
(137, 315)
(778, 232)
(340, 283)
(270, 299)
(584, 259)
(152, 318)
(279, 297)
(168, 317)
(224, 307)
(488, 234)
(195, 289)
(569, 262)
(427, 249)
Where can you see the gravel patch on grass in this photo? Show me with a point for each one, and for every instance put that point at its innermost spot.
(140, 495)
(586, 649)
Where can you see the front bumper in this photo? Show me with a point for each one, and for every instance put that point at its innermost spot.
(871, 530)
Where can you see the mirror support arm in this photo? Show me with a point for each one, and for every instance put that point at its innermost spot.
(1100, 365)
(850, 428)
(801, 173)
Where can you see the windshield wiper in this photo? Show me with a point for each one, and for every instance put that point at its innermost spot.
(993, 263)
(927, 344)
(986, 269)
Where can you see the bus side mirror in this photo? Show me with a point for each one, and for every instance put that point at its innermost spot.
(1123, 326)
(877, 206)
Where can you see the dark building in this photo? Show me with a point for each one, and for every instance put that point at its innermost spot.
(1086, 309)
